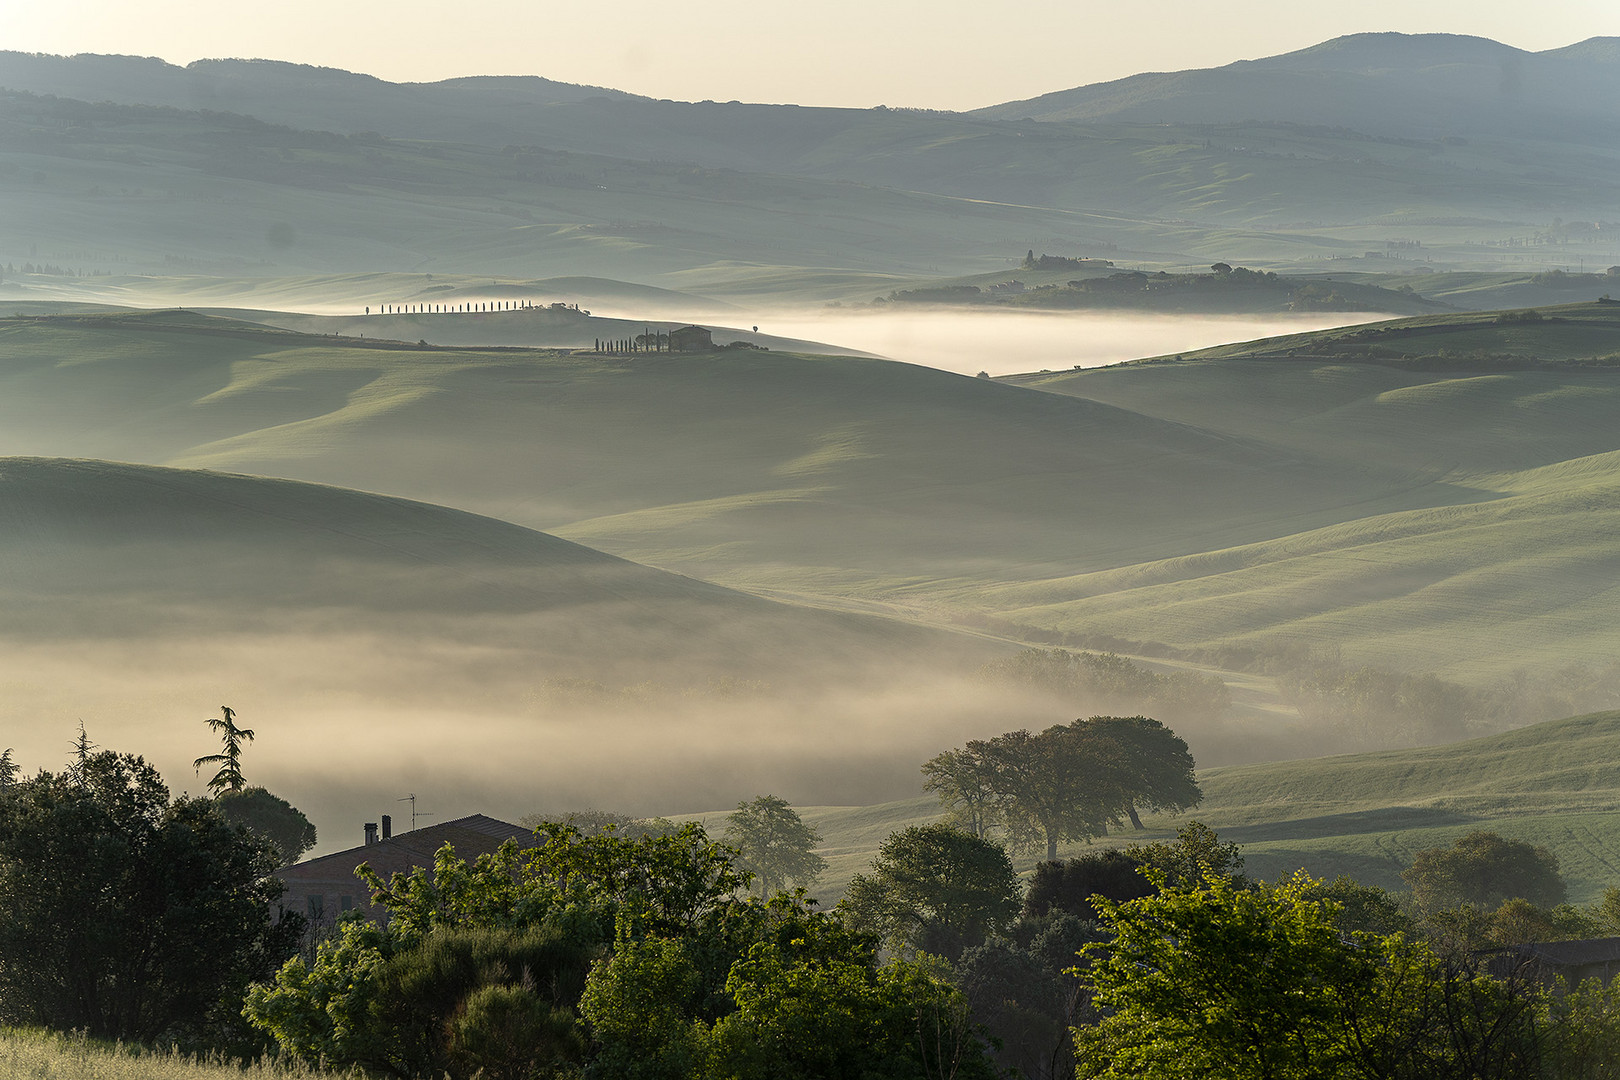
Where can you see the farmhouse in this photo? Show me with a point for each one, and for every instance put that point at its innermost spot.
(325, 887)
(1572, 961)
(691, 339)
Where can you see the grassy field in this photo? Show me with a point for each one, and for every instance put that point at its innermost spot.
(37, 1055)
(1555, 784)
(1424, 515)
(381, 643)
(1249, 498)
(1516, 459)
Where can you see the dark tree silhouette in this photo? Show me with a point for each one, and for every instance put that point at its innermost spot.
(128, 914)
(271, 817)
(229, 777)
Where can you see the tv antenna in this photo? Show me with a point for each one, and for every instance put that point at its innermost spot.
(411, 798)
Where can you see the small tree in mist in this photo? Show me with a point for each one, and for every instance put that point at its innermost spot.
(604, 823)
(935, 889)
(774, 844)
(229, 777)
(8, 770)
(965, 780)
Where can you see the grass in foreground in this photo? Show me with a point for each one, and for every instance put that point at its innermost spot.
(46, 1055)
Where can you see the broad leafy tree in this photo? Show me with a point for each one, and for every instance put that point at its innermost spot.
(126, 914)
(1196, 856)
(1057, 786)
(1158, 770)
(1485, 869)
(935, 889)
(272, 817)
(1229, 983)
(774, 844)
(1066, 783)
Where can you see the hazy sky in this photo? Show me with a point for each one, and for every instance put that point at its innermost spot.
(931, 53)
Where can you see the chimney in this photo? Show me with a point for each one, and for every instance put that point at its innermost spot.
(371, 833)
(388, 827)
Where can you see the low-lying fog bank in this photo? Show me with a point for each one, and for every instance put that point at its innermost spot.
(348, 723)
(998, 342)
(1012, 342)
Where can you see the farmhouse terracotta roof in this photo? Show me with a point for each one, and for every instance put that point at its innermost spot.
(471, 836)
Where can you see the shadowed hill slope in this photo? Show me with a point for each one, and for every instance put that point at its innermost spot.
(769, 468)
(379, 646)
(1421, 85)
(1367, 815)
(103, 549)
(1452, 520)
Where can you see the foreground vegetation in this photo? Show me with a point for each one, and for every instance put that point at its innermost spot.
(39, 1054)
(617, 948)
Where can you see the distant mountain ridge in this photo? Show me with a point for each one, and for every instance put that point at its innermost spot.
(1422, 85)
(1432, 140)
(240, 85)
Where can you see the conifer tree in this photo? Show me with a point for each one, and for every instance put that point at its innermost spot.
(229, 777)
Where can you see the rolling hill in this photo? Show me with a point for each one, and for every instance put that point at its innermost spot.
(379, 643)
(121, 164)
(1412, 85)
(1555, 784)
(1357, 497)
(1519, 413)
(777, 469)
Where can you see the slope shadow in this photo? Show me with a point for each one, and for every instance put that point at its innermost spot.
(1381, 820)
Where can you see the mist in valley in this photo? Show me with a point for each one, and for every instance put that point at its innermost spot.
(413, 307)
(348, 722)
(1007, 343)
(487, 669)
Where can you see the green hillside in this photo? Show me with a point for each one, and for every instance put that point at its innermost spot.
(118, 549)
(378, 643)
(841, 475)
(1556, 784)
(1345, 496)
(1482, 291)
(1366, 815)
(1512, 418)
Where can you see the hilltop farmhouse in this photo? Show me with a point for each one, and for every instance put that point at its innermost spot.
(691, 339)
